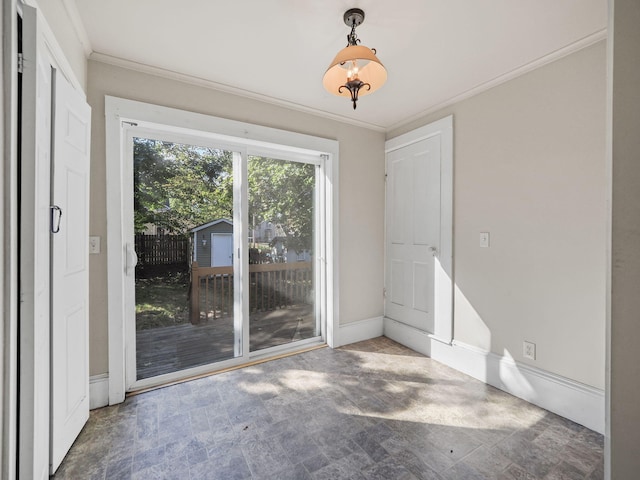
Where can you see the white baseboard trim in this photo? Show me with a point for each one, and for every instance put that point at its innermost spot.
(576, 401)
(361, 330)
(98, 391)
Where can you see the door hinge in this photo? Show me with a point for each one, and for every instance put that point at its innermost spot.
(384, 293)
(20, 63)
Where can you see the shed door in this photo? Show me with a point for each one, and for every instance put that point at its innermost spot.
(221, 249)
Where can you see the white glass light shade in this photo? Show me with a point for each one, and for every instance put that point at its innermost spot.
(370, 70)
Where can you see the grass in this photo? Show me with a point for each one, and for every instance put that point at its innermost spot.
(162, 301)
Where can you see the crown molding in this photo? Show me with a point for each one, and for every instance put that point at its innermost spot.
(197, 81)
(515, 73)
(201, 82)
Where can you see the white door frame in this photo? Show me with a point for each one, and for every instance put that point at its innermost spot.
(224, 132)
(443, 314)
(9, 206)
(33, 420)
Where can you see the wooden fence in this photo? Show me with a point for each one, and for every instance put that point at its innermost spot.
(271, 286)
(162, 249)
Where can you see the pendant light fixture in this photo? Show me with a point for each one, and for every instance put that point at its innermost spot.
(355, 71)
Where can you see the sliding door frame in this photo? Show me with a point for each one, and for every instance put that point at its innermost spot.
(122, 116)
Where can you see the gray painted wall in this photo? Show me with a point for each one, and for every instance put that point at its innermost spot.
(529, 168)
(623, 441)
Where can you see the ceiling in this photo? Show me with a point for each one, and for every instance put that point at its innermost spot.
(435, 51)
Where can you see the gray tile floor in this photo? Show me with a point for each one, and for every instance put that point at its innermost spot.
(371, 410)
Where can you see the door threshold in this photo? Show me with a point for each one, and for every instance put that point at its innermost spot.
(250, 363)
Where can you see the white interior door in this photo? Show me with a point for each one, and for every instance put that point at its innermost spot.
(70, 270)
(413, 232)
(419, 232)
(221, 249)
(35, 156)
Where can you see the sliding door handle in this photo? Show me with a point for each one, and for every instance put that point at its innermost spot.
(56, 216)
(131, 258)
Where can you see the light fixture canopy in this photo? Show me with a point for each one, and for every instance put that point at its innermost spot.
(355, 71)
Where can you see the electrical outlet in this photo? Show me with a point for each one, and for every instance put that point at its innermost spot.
(529, 350)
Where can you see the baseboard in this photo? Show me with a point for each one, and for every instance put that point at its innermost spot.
(576, 401)
(98, 391)
(408, 336)
(361, 330)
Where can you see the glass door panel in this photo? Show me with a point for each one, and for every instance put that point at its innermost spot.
(282, 232)
(184, 279)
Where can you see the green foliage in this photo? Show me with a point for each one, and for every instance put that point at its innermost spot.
(162, 301)
(178, 187)
(283, 192)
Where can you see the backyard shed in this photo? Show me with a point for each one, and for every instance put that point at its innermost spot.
(213, 243)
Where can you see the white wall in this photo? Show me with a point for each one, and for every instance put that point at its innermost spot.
(361, 186)
(529, 168)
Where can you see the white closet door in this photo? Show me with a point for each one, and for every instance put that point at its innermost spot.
(419, 230)
(70, 270)
(413, 232)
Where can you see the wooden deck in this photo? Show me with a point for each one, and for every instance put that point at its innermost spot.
(169, 349)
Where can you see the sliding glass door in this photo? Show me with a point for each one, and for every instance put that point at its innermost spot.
(183, 231)
(226, 242)
(282, 245)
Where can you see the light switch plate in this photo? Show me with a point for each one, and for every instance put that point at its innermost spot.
(484, 239)
(94, 245)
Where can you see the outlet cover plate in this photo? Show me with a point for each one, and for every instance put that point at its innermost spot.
(529, 350)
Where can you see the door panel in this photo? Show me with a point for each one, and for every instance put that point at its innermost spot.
(422, 282)
(70, 270)
(413, 232)
(397, 286)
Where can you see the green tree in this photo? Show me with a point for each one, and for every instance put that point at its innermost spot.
(179, 186)
(283, 192)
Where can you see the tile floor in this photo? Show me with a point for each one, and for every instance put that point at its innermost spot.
(371, 410)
